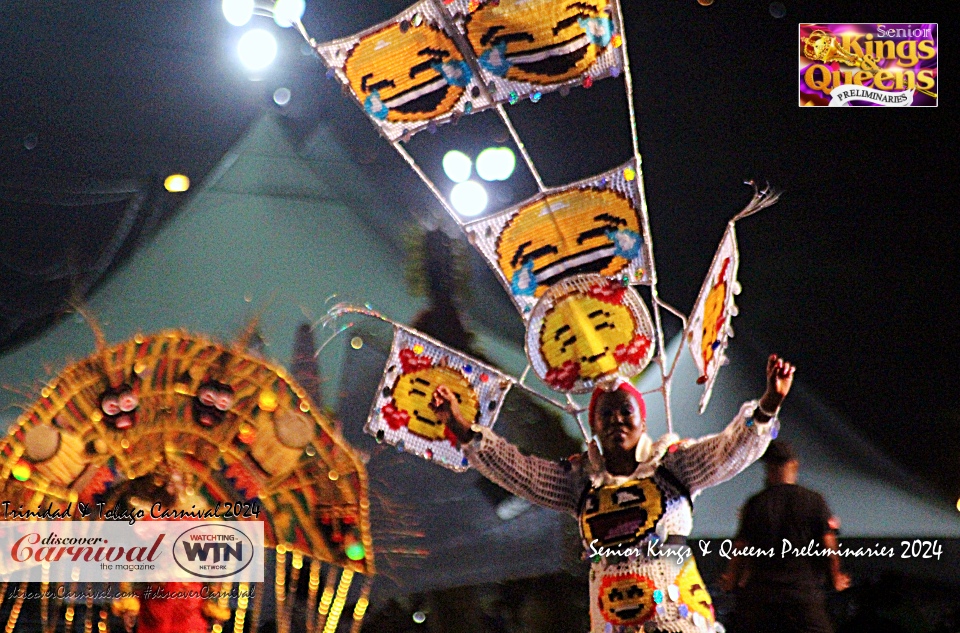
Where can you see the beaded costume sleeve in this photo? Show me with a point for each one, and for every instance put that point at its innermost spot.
(553, 485)
(713, 459)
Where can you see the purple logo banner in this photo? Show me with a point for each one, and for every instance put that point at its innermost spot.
(871, 65)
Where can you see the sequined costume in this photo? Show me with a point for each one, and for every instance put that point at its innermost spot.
(627, 521)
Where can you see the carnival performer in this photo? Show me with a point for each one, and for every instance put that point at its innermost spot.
(634, 501)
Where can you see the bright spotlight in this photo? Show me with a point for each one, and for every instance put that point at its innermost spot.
(286, 12)
(496, 163)
(238, 12)
(469, 198)
(257, 49)
(457, 165)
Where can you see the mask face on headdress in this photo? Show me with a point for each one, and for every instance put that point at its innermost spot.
(571, 232)
(212, 402)
(618, 515)
(693, 591)
(585, 329)
(539, 41)
(119, 407)
(414, 73)
(626, 599)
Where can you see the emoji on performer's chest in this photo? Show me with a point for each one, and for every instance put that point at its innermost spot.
(407, 74)
(568, 233)
(622, 514)
(626, 599)
(539, 41)
(414, 391)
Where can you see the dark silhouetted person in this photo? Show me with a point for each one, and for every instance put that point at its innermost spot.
(783, 592)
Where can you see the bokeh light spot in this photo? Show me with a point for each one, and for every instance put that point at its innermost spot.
(469, 198)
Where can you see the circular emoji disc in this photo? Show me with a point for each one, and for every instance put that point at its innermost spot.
(585, 329)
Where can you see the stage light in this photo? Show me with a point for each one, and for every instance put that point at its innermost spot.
(496, 163)
(238, 12)
(176, 183)
(257, 49)
(457, 165)
(287, 12)
(419, 617)
(469, 198)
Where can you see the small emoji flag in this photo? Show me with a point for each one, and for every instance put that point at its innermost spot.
(709, 327)
(401, 414)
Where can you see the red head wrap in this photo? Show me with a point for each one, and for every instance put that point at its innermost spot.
(618, 385)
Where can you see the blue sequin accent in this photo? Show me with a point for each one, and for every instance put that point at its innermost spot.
(657, 596)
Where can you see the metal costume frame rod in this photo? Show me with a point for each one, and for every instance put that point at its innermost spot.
(665, 376)
(475, 68)
(340, 309)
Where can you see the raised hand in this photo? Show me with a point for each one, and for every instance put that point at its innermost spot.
(779, 381)
(447, 409)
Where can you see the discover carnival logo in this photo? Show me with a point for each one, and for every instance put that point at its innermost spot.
(868, 65)
(115, 551)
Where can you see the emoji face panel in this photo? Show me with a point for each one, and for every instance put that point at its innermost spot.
(407, 74)
(568, 233)
(539, 41)
(414, 390)
(693, 591)
(626, 599)
(621, 515)
(585, 331)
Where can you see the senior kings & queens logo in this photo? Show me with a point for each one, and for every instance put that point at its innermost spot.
(868, 65)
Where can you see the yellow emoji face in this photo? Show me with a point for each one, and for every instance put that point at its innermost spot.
(585, 331)
(540, 41)
(713, 315)
(568, 233)
(693, 591)
(414, 390)
(621, 515)
(407, 73)
(626, 599)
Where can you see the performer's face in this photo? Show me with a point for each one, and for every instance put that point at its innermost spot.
(617, 422)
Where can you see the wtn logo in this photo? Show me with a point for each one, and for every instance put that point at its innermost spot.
(221, 551)
(215, 550)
